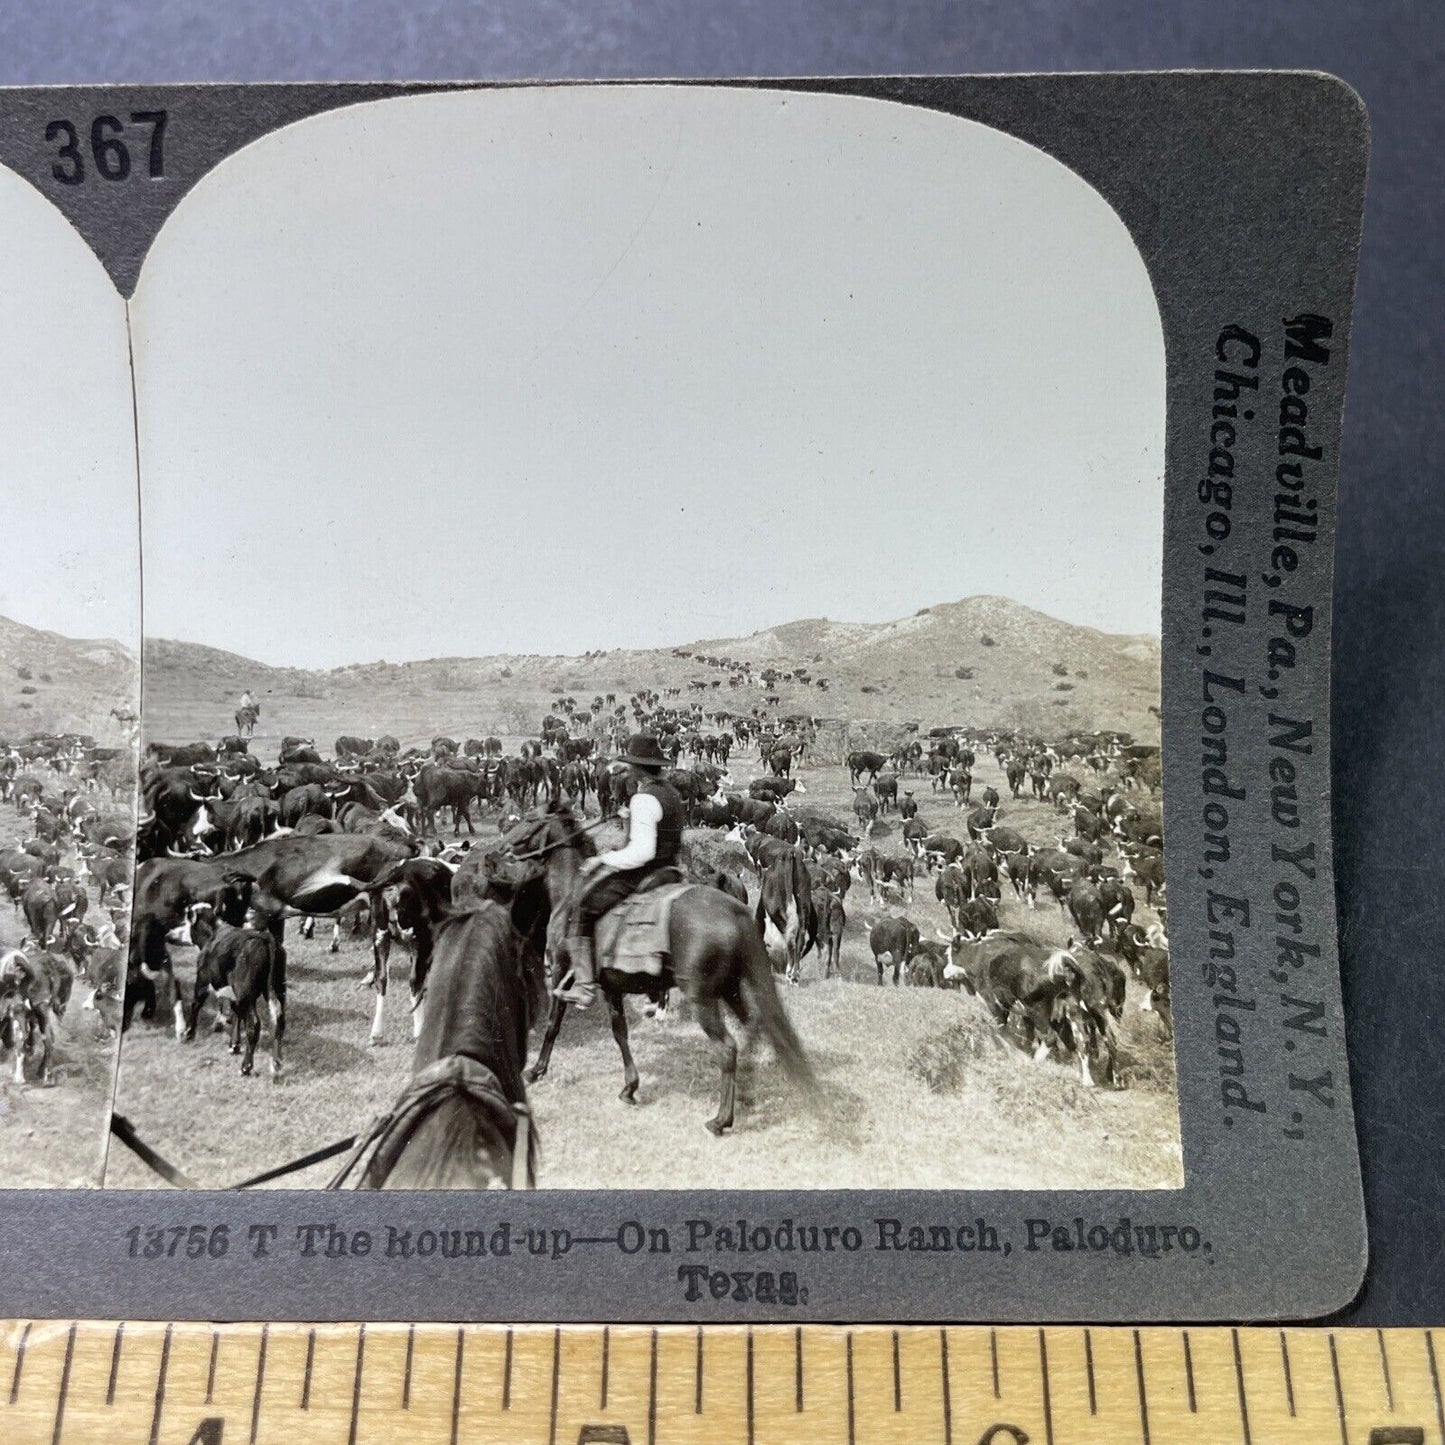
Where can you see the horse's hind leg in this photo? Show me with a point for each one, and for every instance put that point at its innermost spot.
(709, 1015)
(544, 1054)
(631, 1079)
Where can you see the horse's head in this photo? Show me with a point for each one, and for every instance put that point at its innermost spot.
(542, 831)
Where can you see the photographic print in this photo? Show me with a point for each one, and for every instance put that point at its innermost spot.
(683, 569)
(69, 694)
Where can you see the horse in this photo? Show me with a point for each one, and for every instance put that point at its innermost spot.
(462, 1122)
(246, 718)
(715, 956)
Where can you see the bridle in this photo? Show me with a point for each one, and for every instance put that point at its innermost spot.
(550, 845)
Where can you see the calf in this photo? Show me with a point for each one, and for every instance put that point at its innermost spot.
(243, 966)
(892, 940)
(828, 908)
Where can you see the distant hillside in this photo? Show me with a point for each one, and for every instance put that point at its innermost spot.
(985, 661)
(51, 683)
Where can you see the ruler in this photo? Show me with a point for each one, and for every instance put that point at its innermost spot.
(92, 1383)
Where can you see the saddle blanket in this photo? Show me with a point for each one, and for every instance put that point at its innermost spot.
(633, 937)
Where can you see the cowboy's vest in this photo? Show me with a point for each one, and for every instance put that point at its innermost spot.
(669, 829)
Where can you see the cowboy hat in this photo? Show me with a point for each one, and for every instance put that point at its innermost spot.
(643, 751)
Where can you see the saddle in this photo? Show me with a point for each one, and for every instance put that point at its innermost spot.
(633, 936)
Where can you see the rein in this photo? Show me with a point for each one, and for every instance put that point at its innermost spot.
(551, 847)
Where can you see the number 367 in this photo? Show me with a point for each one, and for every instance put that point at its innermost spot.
(109, 152)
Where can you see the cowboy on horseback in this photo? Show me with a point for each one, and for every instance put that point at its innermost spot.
(655, 816)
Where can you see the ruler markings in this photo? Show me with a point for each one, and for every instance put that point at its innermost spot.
(1143, 1394)
(1288, 1372)
(1239, 1387)
(507, 1373)
(993, 1354)
(457, 1389)
(750, 1387)
(19, 1363)
(1435, 1382)
(947, 1388)
(306, 1372)
(161, 1384)
(211, 1365)
(1339, 1391)
(114, 1363)
(61, 1375)
(556, 1383)
(356, 1385)
(1047, 1398)
(652, 1390)
(260, 1380)
(64, 1385)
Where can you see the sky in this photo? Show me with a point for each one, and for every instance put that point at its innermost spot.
(71, 559)
(553, 370)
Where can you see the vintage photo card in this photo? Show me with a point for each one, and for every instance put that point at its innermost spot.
(69, 694)
(749, 661)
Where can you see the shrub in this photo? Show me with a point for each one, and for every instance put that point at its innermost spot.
(23, 673)
(27, 690)
(963, 672)
(987, 641)
(1063, 687)
(1060, 670)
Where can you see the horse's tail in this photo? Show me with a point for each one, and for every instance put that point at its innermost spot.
(760, 996)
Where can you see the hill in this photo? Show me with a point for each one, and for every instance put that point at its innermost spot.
(985, 661)
(52, 683)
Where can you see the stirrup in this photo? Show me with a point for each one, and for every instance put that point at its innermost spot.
(579, 995)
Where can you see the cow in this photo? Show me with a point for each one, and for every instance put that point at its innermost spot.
(989, 798)
(1146, 868)
(892, 940)
(1056, 870)
(865, 762)
(247, 967)
(865, 808)
(907, 807)
(779, 759)
(831, 920)
(915, 834)
(1015, 771)
(1087, 911)
(940, 848)
(951, 888)
(1118, 903)
(42, 910)
(785, 906)
(980, 821)
(180, 755)
(1033, 991)
(960, 784)
(885, 787)
(1149, 961)
(774, 790)
(298, 750)
(445, 787)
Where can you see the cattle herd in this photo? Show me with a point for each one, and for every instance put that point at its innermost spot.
(68, 875)
(951, 845)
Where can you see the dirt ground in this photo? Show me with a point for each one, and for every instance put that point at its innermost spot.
(54, 1135)
(919, 1090)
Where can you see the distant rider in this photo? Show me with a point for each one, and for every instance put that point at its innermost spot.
(655, 816)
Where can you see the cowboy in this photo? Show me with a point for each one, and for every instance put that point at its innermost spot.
(247, 703)
(654, 840)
